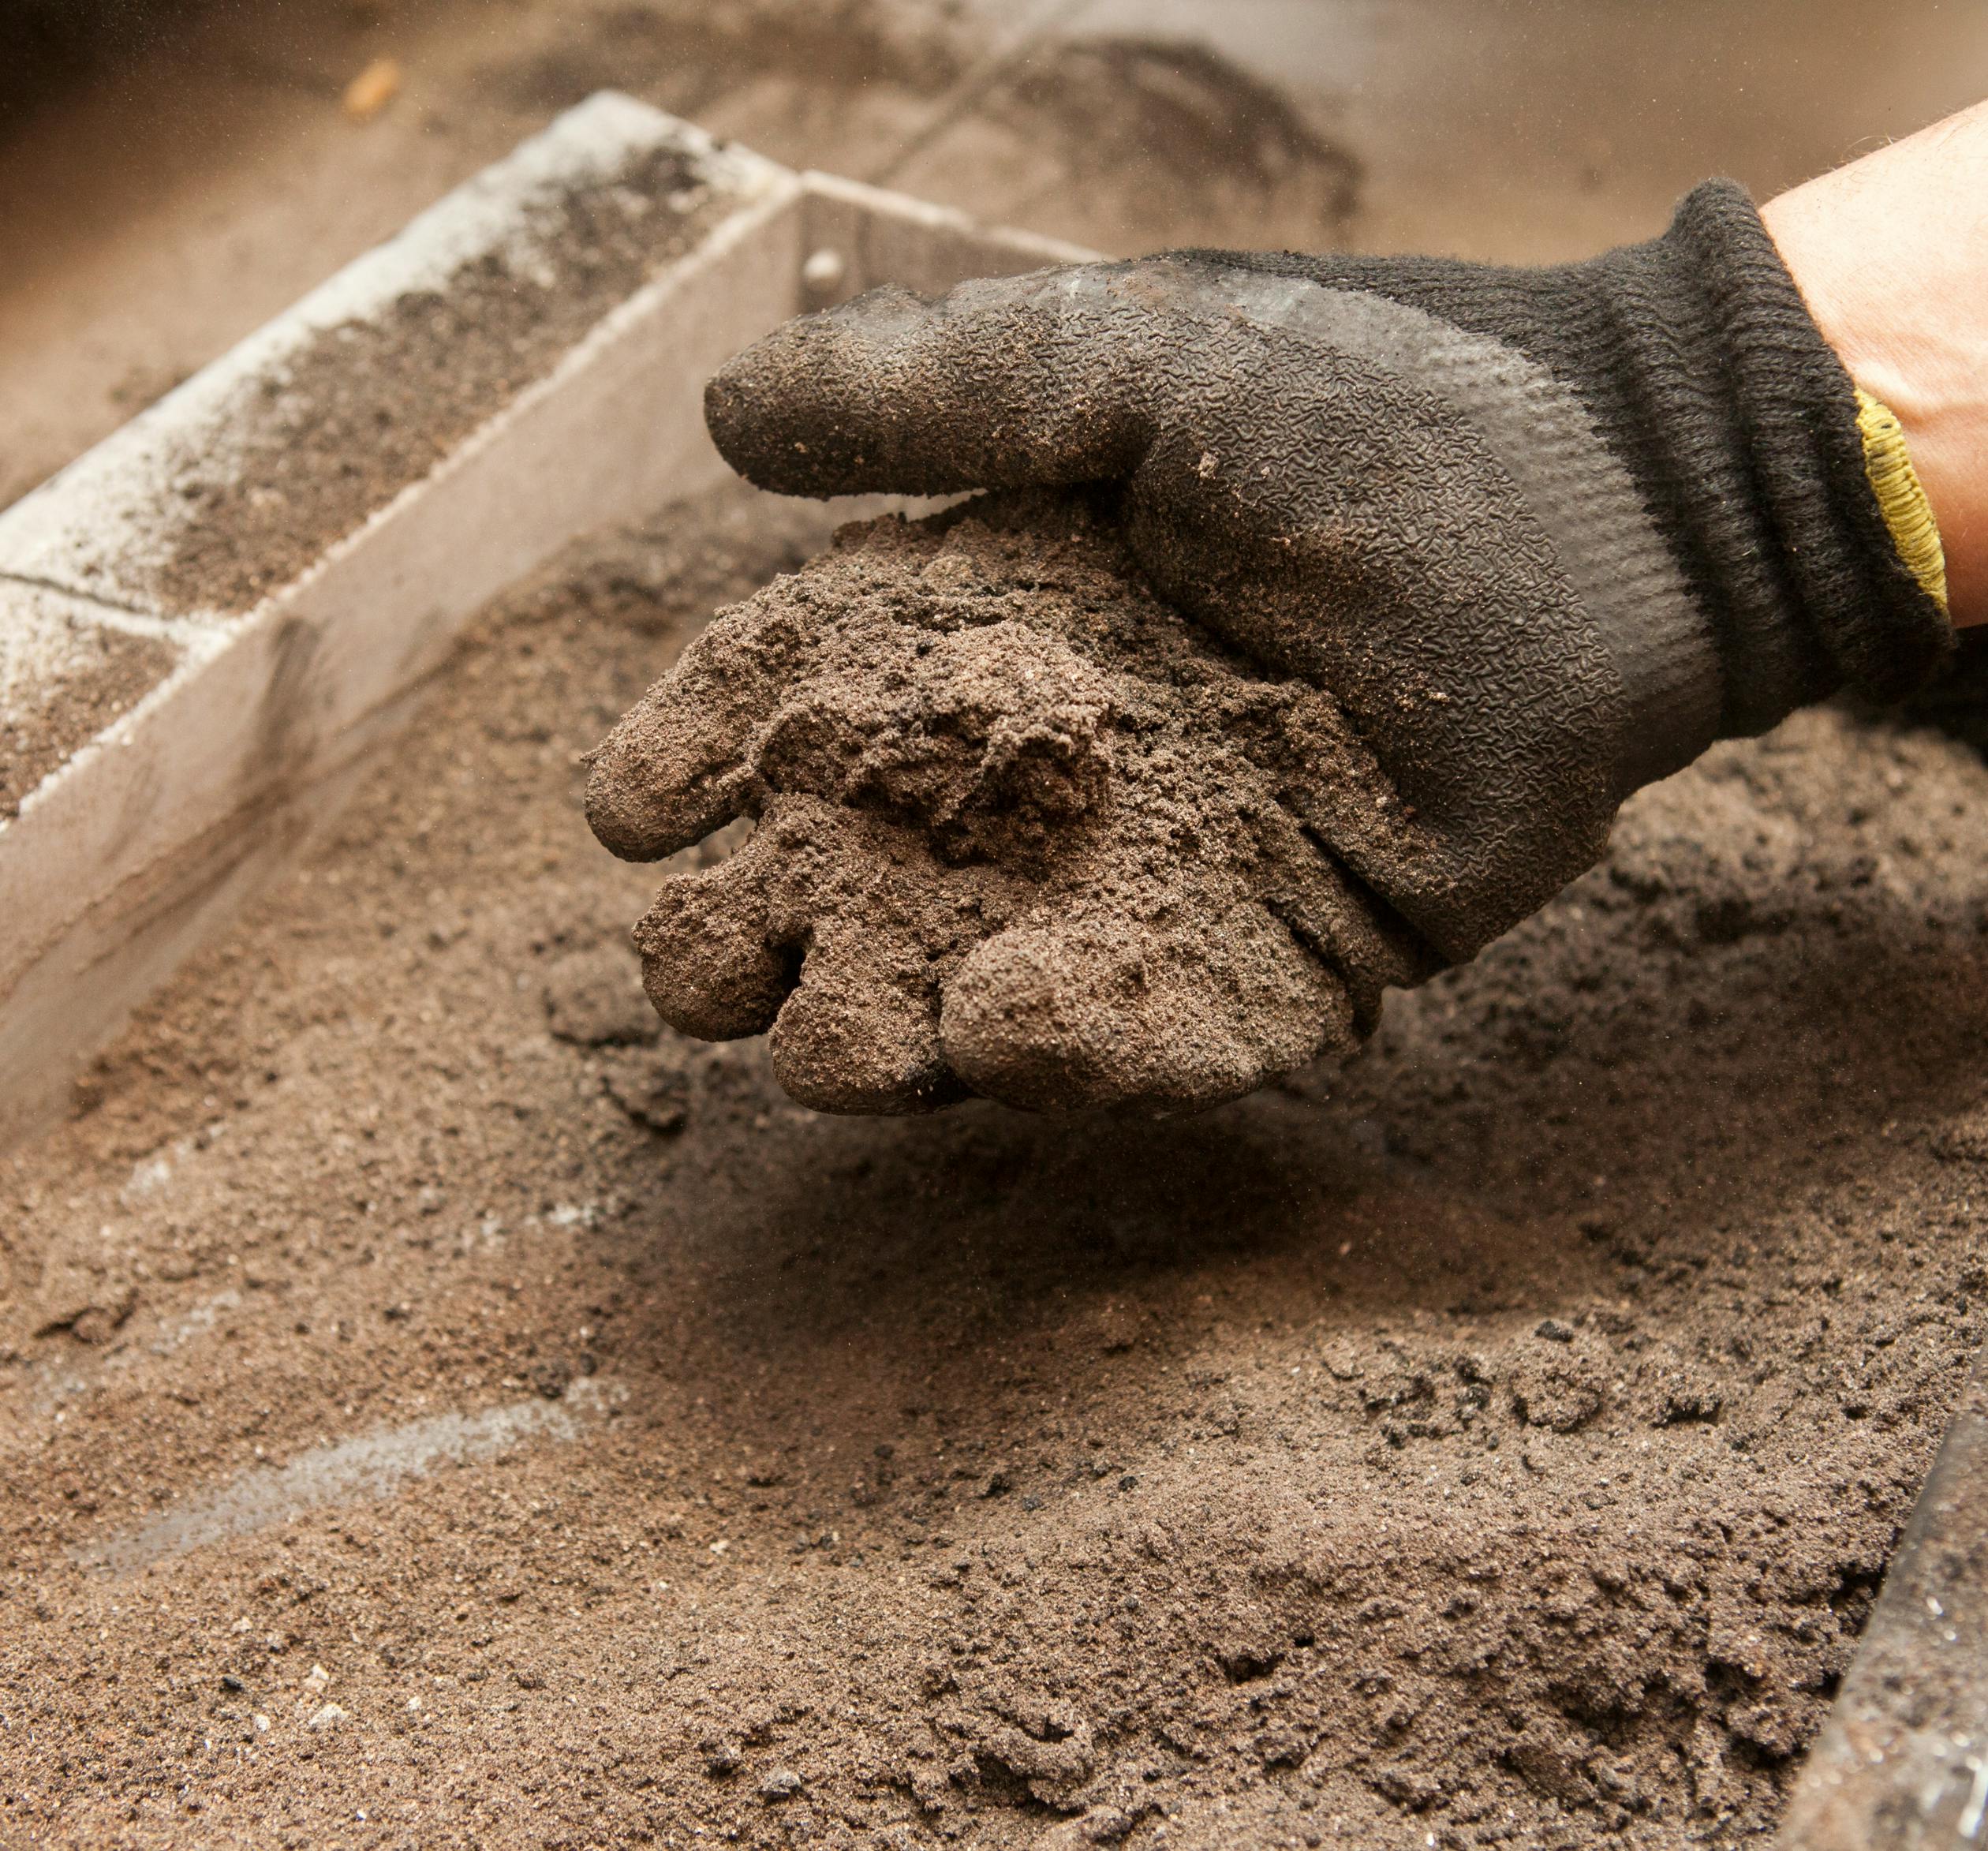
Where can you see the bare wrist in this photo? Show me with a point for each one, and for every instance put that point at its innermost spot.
(1891, 255)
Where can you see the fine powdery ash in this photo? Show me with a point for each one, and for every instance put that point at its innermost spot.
(1494, 1438)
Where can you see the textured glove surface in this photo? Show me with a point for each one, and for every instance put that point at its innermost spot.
(1473, 554)
(1544, 534)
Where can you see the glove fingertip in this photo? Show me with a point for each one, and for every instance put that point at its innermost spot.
(709, 963)
(787, 412)
(641, 812)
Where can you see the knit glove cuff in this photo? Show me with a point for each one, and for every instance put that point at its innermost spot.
(1804, 576)
(1697, 447)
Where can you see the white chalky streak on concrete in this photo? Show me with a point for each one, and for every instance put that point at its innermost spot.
(369, 1467)
(96, 522)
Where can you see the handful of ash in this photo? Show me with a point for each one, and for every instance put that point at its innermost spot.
(1020, 830)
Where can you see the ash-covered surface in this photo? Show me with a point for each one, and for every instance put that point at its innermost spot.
(1020, 830)
(367, 407)
(71, 680)
(1496, 1443)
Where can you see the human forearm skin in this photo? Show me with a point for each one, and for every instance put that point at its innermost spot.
(1891, 254)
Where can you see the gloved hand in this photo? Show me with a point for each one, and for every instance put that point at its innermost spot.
(1543, 535)
(1546, 534)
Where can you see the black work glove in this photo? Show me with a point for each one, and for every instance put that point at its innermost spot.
(1546, 534)
(1543, 535)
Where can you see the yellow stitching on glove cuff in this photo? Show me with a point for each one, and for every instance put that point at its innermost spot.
(1895, 483)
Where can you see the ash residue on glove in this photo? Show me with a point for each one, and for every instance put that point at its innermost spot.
(1022, 830)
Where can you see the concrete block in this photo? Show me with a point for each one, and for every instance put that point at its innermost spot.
(183, 660)
(138, 520)
(206, 620)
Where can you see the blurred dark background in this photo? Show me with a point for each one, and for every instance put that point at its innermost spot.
(52, 44)
(174, 172)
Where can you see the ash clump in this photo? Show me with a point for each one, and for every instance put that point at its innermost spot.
(1022, 830)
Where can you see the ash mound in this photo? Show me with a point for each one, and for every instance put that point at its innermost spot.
(1020, 830)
